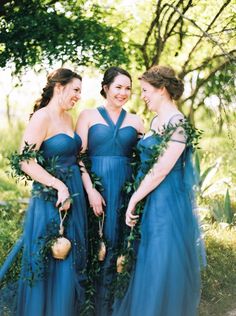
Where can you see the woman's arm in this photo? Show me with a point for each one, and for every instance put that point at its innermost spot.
(96, 200)
(35, 133)
(157, 174)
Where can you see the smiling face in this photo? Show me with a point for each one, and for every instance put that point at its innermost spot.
(119, 91)
(152, 96)
(70, 93)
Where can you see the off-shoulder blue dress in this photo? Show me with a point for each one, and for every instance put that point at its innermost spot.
(110, 147)
(166, 277)
(48, 286)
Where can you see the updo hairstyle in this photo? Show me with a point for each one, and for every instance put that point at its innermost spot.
(110, 75)
(161, 76)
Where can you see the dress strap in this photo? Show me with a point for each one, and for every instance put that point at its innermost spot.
(177, 114)
(109, 121)
(120, 119)
(152, 121)
(105, 116)
(169, 122)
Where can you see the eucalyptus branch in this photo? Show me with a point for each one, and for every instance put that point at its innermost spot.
(94, 265)
(28, 153)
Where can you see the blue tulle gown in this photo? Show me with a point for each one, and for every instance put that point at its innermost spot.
(51, 287)
(110, 147)
(166, 278)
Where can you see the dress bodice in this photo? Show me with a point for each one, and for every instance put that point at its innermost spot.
(109, 139)
(145, 147)
(63, 148)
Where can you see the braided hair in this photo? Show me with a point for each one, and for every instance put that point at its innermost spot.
(62, 76)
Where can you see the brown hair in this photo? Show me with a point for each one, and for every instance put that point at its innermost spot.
(110, 75)
(62, 76)
(161, 76)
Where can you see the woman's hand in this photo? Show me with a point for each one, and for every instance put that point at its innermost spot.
(131, 219)
(96, 201)
(63, 198)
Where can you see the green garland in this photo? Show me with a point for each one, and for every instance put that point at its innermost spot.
(192, 136)
(45, 242)
(93, 267)
(127, 245)
(28, 153)
(50, 165)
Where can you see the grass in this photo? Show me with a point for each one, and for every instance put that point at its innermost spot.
(219, 278)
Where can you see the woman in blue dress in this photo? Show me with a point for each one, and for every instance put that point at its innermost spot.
(49, 286)
(110, 134)
(166, 276)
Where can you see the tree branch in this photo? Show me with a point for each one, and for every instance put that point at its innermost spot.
(149, 33)
(205, 32)
(203, 81)
(206, 62)
(185, 9)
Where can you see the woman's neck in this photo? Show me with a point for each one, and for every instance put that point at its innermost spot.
(55, 109)
(166, 109)
(112, 109)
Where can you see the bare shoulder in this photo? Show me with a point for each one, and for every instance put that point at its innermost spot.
(36, 130)
(136, 121)
(87, 114)
(40, 116)
(134, 117)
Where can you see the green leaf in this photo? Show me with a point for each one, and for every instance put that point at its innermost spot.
(227, 208)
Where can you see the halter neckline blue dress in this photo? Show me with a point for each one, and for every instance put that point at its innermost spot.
(110, 147)
(48, 286)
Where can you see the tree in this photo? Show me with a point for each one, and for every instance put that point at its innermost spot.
(198, 36)
(37, 31)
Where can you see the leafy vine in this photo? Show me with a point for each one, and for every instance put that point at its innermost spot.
(44, 243)
(128, 251)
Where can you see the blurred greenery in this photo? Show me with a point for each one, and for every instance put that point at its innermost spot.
(69, 32)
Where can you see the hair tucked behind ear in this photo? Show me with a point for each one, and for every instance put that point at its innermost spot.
(110, 75)
(62, 76)
(161, 76)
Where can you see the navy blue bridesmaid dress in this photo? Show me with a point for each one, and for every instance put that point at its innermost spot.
(166, 277)
(48, 286)
(110, 147)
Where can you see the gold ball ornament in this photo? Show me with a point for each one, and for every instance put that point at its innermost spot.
(101, 251)
(120, 263)
(61, 248)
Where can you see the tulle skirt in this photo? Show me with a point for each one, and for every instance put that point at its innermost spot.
(48, 286)
(113, 171)
(166, 278)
